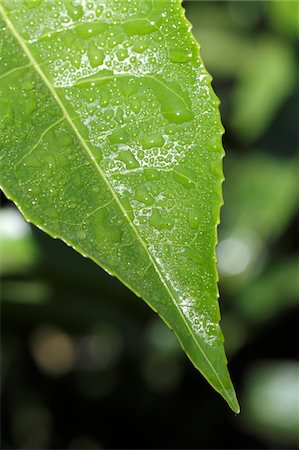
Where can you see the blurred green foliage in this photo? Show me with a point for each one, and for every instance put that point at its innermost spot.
(82, 357)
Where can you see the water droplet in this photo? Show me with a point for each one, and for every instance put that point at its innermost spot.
(175, 104)
(194, 217)
(142, 195)
(179, 54)
(158, 222)
(152, 140)
(135, 106)
(119, 137)
(86, 30)
(108, 114)
(96, 55)
(99, 10)
(75, 12)
(121, 54)
(139, 47)
(176, 116)
(128, 158)
(81, 235)
(138, 26)
(151, 174)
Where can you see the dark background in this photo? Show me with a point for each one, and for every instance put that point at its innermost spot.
(87, 365)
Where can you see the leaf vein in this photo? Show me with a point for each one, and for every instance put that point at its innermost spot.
(122, 75)
(16, 69)
(53, 125)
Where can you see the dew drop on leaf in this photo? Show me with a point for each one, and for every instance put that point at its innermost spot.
(152, 140)
(179, 54)
(194, 217)
(128, 158)
(81, 235)
(142, 195)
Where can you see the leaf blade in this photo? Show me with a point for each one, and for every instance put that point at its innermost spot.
(124, 231)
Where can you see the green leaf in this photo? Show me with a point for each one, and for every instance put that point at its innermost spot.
(274, 292)
(253, 199)
(263, 86)
(111, 141)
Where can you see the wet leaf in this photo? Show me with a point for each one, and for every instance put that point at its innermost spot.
(111, 141)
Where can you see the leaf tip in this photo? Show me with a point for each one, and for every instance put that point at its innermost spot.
(231, 399)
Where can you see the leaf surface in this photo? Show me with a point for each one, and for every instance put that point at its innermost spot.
(110, 140)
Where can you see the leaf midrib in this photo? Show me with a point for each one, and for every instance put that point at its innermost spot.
(51, 88)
